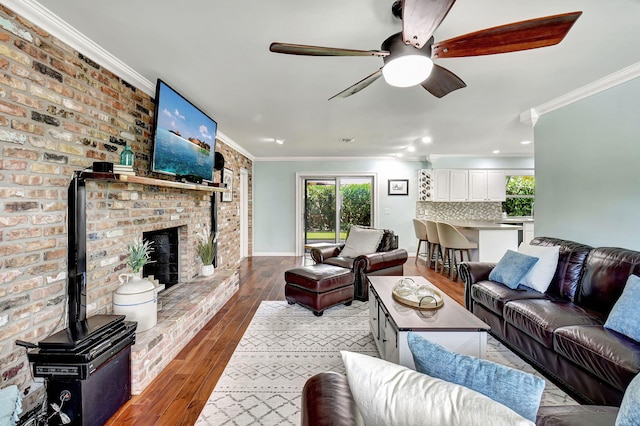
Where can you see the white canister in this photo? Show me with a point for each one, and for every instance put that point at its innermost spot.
(137, 298)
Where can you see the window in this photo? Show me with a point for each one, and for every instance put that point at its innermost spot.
(521, 194)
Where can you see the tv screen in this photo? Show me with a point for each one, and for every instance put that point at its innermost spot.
(184, 137)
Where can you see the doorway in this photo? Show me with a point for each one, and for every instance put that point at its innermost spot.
(330, 205)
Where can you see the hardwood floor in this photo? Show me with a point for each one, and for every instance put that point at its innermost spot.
(179, 393)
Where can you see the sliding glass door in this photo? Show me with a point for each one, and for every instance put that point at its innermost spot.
(333, 204)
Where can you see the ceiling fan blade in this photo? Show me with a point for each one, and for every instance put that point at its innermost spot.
(530, 34)
(421, 18)
(359, 85)
(301, 49)
(441, 82)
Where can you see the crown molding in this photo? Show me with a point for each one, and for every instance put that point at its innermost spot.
(334, 159)
(48, 21)
(56, 26)
(530, 116)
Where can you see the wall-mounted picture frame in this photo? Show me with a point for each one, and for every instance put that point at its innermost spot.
(227, 179)
(398, 187)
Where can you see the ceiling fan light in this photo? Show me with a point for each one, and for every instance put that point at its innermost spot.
(407, 70)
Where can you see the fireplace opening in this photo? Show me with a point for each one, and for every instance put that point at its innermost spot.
(165, 260)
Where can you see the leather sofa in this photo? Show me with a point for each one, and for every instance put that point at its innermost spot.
(560, 332)
(387, 260)
(327, 400)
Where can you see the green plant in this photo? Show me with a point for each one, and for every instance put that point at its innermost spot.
(139, 254)
(207, 246)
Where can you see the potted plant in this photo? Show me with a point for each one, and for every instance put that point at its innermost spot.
(139, 255)
(137, 297)
(207, 250)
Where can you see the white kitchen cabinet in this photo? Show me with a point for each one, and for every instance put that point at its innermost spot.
(527, 232)
(487, 185)
(459, 185)
(440, 188)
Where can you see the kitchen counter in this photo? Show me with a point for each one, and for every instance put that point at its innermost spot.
(493, 239)
(517, 219)
(477, 225)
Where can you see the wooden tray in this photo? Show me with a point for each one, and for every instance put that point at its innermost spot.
(428, 302)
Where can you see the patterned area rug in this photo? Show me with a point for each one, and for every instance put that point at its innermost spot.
(285, 344)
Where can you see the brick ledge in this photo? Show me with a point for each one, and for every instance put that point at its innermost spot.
(185, 310)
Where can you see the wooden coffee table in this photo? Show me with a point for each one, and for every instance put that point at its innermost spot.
(451, 326)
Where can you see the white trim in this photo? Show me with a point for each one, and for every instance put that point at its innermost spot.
(244, 213)
(274, 254)
(296, 159)
(605, 83)
(48, 21)
(56, 26)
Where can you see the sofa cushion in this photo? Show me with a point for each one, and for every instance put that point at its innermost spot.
(516, 389)
(571, 258)
(606, 272)
(343, 262)
(512, 268)
(606, 354)
(629, 414)
(540, 276)
(576, 415)
(494, 295)
(361, 241)
(539, 318)
(390, 394)
(625, 315)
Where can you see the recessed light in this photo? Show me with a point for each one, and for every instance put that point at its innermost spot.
(426, 139)
(411, 149)
(399, 155)
(525, 142)
(347, 140)
(279, 141)
(496, 151)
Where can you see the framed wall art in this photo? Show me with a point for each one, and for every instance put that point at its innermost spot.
(398, 187)
(227, 179)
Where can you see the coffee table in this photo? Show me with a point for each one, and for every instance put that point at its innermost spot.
(451, 326)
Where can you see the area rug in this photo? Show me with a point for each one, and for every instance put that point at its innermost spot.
(286, 344)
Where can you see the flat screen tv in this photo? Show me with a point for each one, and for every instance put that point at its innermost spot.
(184, 137)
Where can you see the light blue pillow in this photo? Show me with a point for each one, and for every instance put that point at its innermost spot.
(625, 315)
(629, 414)
(515, 389)
(512, 268)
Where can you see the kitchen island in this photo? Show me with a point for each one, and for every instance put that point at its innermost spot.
(493, 239)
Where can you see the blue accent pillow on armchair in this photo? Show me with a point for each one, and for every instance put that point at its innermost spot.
(512, 268)
(629, 414)
(515, 389)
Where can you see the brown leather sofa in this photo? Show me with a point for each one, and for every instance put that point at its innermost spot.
(327, 400)
(387, 260)
(560, 332)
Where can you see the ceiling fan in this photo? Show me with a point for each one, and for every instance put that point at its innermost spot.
(408, 55)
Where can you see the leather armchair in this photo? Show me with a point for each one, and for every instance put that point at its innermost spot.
(387, 260)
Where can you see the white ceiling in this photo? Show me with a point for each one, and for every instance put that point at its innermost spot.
(216, 54)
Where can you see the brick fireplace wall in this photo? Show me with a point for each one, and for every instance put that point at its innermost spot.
(59, 112)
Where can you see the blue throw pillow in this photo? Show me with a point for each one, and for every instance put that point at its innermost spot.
(625, 315)
(512, 268)
(629, 414)
(515, 389)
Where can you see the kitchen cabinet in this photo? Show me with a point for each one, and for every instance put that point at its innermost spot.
(459, 185)
(440, 189)
(487, 185)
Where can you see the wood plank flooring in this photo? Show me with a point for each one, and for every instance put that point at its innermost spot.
(179, 393)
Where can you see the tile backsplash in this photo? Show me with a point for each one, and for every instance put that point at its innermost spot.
(491, 211)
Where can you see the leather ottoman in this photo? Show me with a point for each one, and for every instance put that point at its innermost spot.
(319, 287)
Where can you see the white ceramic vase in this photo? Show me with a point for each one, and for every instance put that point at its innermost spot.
(207, 270)
(137, 298)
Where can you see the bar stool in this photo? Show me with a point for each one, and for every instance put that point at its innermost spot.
(420, 228)
(452, 241)
(434, 243)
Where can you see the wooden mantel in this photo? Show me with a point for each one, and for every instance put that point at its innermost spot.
(113, 177)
